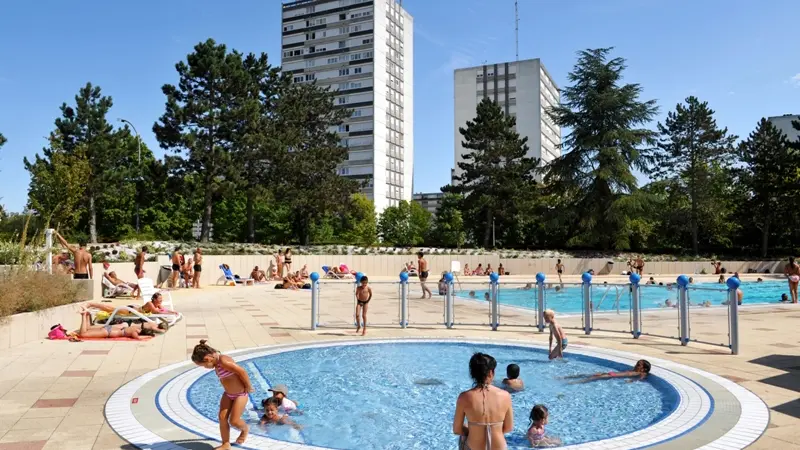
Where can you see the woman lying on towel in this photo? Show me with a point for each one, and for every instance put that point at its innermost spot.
(123, 330)
(151, 307)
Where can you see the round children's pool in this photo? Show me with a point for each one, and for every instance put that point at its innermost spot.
(402, 395)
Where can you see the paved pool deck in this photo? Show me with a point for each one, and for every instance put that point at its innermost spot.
(54, 393)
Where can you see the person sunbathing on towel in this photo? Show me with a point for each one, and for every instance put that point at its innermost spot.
(304, 272)
(122, 330)
(151, 307)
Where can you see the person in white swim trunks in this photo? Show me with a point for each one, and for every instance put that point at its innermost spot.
(792, 272)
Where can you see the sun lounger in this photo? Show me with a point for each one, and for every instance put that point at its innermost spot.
(113, 290)
(229, 276)
(128, 313)
(148, 289)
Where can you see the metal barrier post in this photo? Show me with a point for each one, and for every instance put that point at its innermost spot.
(540, 301)
(683, 307)
(48, 242)
(587, 302)
(448, 300)
(494, 279)
(636, 305)
(403, 299)
(733, 319)
(314, 299)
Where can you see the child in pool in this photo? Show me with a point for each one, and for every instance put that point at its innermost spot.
(536, 433)
(639, 372)
(363, 296)
(236, 383)
(272, 416)
(557, 332)
(512, 382)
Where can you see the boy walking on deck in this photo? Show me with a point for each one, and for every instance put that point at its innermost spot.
(363, 296)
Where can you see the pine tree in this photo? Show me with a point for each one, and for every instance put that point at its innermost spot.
(497, 172)
(307, 163)
(606, 139)
(200, 120)
(83, 133)
(3, 140)
(254, 139)
(690, 142)
(769, 176)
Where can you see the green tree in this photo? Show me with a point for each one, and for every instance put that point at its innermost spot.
(606, 139)
(359, 222)
(497, 168)
(769, 176)
(448, 228)
(690, 143)
(311, 153)
(57, 185)
(200, 119)
(83, 133)
(2, 142)
(405, 225)
(255, 142)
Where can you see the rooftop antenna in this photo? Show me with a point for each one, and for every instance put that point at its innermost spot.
(516, 26)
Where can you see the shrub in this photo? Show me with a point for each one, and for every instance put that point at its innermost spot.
(26, 290)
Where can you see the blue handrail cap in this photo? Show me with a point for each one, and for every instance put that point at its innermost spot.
(314, 276)
(540, 277)
(683, 281)
(635, 278)
(586, 277)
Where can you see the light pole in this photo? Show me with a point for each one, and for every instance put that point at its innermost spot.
(139, 165)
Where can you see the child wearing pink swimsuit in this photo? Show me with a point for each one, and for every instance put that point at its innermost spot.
(237, 385)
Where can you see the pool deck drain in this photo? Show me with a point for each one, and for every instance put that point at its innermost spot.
(694, 424)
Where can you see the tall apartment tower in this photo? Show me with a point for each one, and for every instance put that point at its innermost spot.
(523, 89)
(363, 49)
(784, 123)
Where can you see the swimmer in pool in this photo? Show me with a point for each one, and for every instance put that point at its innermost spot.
(486, 297)
(272, 416)
(784, 298)
(513, 382)
(471, 294)
(555, 332)
(639, 372)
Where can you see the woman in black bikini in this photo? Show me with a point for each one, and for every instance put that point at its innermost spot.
(363, 296)
(287, 260)
(486, 409)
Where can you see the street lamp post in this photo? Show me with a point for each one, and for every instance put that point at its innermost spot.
(139, 165)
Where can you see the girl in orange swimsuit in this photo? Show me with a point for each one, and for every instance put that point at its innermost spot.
(236, 383)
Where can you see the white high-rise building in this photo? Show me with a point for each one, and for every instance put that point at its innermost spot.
(522, 89)
(364, 50)
(784, 123)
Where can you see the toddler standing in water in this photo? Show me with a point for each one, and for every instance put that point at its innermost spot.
(536, 433)
(363, 296)
(236, 383)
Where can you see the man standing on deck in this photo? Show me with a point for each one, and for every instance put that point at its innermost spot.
(792, 272)
(176, 267)
(198, 267)
(83, 259)
(422, 265)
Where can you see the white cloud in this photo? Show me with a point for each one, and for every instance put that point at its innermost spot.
(795, 80)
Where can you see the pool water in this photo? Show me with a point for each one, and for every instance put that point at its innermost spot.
(608, 297)
(402, 395)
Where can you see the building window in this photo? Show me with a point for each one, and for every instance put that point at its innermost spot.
(366, 41)
(310, 63)
(356, 113)
(288, 28)
(333, 60)
(344, 128)
(342, 100)
(357, 70)
(342, 16)
(343, 72)
(310, 77)
(342, 44)
(298, 79)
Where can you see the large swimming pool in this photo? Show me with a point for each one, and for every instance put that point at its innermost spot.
(608, 297)
(402, 395)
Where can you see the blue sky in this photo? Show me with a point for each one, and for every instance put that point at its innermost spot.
(742, 56)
